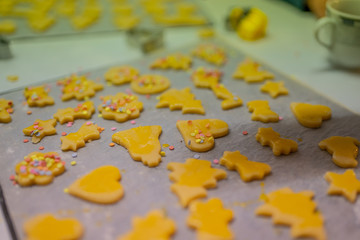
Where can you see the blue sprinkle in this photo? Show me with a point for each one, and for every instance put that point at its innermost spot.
(189, 142)
(201, 141)
(197, 156)
(49, 173)
(37, 134)
(74, 155)
(42, 172)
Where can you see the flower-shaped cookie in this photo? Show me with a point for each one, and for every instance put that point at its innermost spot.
(192, 178)
(40, 129)
(268, 137)
(344, 150)
(120, 75)
(46, 226)
(38, 96)
(156, 225)
(261, 111)
(296, 210)
(210, 53)
(309, 115)
(142, 143)
(78, 87)
(180, 99)
(249, 71)
(150, 84)
(82, 111)
(176, 61)
(247, 169)
(199, 135)
(120, 107)
(39, 168)
(204, 216)
(73, 141)
(99, 186)
(5, 110)
(274, 89)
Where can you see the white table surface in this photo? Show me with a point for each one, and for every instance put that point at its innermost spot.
(289, 47)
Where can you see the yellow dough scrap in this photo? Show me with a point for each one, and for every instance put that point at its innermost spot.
(205, 77)
(121, 107)
(249, 71)
(120, 75)
(261, 111)
(5, 110)
(345, 184)
(176, 61)
(78, 87)
(150, 84)
(101, 185)
(274, 89)
(248, 170)
(180, 99)
(39, 168)
(268, 137)
(309, 115)
(73, 141)
(38, 96)
(192, 178)
(344, 150)
(156, 225)
(40, 129)
(210, 219)
(47, 226)
(199, 135)
(296, 210)
(142, 143)
(210, 53)
(82, 111)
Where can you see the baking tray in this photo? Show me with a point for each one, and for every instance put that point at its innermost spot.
(149, 188)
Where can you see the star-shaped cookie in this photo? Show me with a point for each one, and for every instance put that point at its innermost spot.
(38, 96)
(345, 184)
(274, 89)
(40, 129)
(82, 111)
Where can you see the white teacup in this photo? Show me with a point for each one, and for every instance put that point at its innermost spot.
(339, 32)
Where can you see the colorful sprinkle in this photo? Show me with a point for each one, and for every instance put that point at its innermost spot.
(26, 140)
(216, 161)
(73, 163)
(197, 156)
(88, 123)
(29, 112)
(162, 153)
(41, 148)
(171, 147)
(280, 118)
(66, 190)
(165, 145)
(113, 128)
(245, 132)
(111, 144)
(133, 122)
(74, 155)
(63, 134)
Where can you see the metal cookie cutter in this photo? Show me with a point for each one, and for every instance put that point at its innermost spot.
(147, 38)
(5, 52)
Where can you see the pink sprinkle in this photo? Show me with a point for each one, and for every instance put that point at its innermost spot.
(113, 129)
(63, 134)
(36, 123)
(216, 161)
(147, 96)
(133, 122)
(245, 132)
(26, 140)
(12, 177)
(88, 123)
(41, 148)
(69, 125)
(281, 118)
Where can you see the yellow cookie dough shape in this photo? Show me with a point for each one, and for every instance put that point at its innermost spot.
(101, 185)
(261, 111)
(120, 107)
(73, 141)
(249, 71)
(38, 96)
(192, 178)
(142, 143)
(274, 89)
(40, 129)
(7, 27)
(47, 226)
(5, 106)
(268, 137)
(210, 53)
(229, 100)
(156, 225)
(296, 210)
(175, 61)
(344, 150)
(39, 168)
(205, 77)
(120, 75)
(90, 14)
(309, 115)
(40, 21)
(248, 170)
(345, 184)
(199, 135)
(78, 87)
(211, 220)
(150, 84)
(180, 99)
(82, 111)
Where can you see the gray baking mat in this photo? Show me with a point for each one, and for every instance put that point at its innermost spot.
(149, 188)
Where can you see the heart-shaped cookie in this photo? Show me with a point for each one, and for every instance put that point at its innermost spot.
(309, 115)
(100, 186)
(46, 226)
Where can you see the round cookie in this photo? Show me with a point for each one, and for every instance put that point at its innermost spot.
(150, 84)
(121, 74)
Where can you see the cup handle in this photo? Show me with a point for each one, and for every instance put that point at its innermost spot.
(321, 23)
